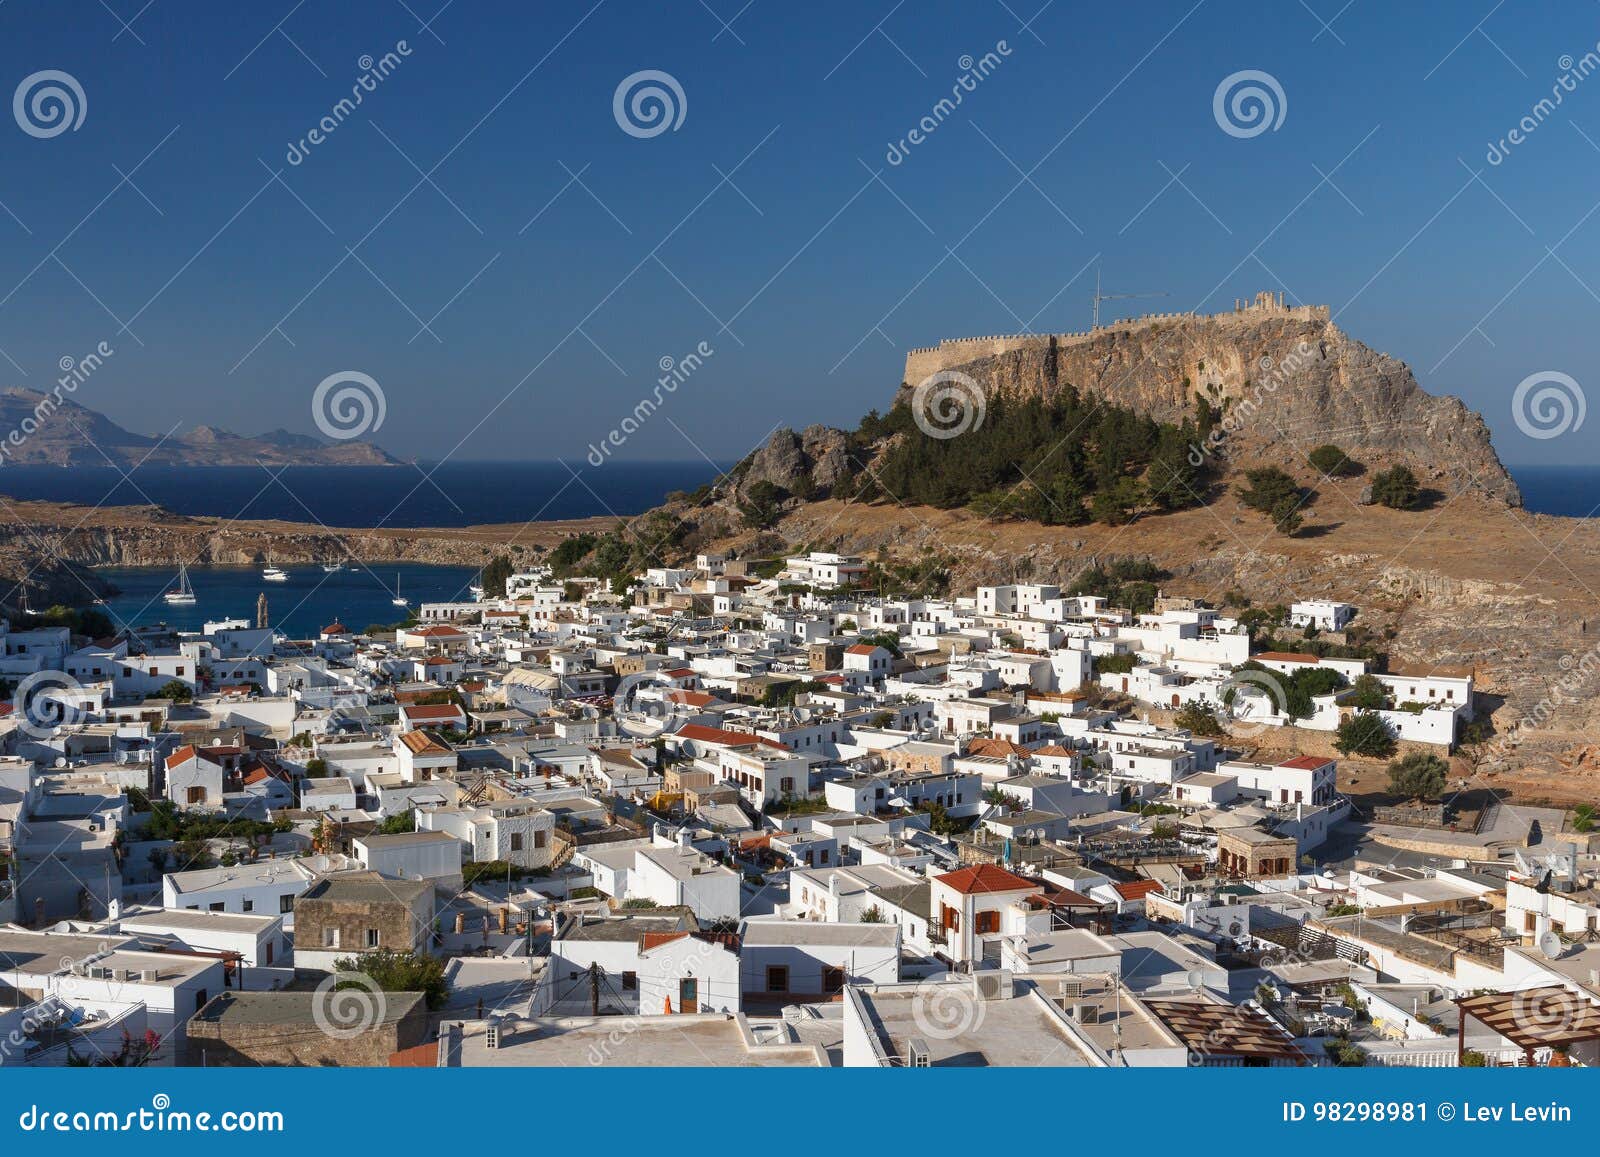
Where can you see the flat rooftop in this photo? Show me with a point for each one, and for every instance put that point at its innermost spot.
(783, 933)
(1022, 1032)
(711, 1041)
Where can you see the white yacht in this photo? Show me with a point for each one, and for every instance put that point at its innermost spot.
(273, 574)
(181, 595)
(399, 599)
(331, 568)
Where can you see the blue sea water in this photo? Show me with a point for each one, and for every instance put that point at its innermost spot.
(309, 600)
(1573, 491)
(454, 494)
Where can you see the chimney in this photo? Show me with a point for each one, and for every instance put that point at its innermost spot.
(683, 838)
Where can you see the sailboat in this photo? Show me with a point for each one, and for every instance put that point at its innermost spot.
(399, 599)
(181, 595)
(477, 586)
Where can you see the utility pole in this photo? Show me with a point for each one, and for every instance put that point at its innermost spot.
(594, 988)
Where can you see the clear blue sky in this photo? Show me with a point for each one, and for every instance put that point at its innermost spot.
(806, 275)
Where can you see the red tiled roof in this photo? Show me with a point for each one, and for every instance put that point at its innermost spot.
(336, 628)
(985, 878)
(415, 711)
(1052, 749)
(183, 755)
(1306, 762)
(997, 747)
(1287, 657)
(863, 649)
(704, 734)
(438, 633)
(1137, 889)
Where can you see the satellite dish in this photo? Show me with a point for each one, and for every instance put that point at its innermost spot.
(1550, 944)
(1196, 978)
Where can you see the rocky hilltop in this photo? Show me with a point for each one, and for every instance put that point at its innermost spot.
(38, 429)
(1286, 378)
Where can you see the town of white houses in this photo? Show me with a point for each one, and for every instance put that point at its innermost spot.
(752, 814)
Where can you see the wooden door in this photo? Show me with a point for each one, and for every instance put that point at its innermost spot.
(688, 995)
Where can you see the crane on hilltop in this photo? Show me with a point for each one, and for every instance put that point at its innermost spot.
(1099, 297)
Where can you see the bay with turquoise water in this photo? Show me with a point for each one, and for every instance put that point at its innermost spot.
(310, 600)
(454, 494)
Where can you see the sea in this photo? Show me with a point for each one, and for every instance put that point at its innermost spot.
(1573, 491)
(357, 596)
(451, 494)
(456, 494)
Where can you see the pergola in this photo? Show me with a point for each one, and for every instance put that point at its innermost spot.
(1552, 1017)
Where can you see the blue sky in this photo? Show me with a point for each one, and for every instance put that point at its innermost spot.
(558, 259)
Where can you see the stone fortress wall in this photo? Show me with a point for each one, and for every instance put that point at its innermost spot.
(925, 360)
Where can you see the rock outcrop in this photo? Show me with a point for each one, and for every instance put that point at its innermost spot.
(1286, 378)
(53, 430)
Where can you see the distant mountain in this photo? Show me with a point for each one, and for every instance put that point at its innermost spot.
(38, 430)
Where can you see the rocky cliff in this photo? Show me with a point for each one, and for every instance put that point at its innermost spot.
(1286, 379)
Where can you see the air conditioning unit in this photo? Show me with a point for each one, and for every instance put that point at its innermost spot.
(124, 974)
(1071, 989)
(96, 972)
(1085, 1013)
(994, 985)
(149, 975)
(917, 1054)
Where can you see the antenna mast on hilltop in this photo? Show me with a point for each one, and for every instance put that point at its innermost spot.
(1099, 297)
